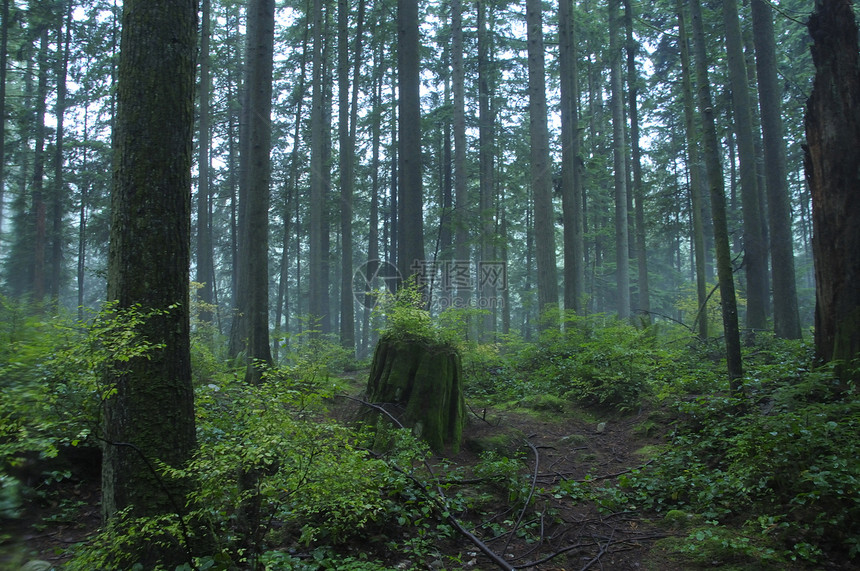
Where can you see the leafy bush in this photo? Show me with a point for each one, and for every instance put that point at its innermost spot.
(52, 372)
(789, 453)
(593, 361)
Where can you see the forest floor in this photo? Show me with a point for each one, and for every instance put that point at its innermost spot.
(556, 533)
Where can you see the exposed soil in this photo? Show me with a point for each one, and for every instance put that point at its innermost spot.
(563, 533)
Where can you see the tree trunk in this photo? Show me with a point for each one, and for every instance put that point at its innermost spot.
(410, 243)
(638, 189)
(571, 186)
(254, 261)
(786, 316)
(39, 207)
(316, 308)
(205, 262)
(541, 167)
(714, 170)
(755, 250)
(346, 136)
(832, 156)
(4, 43)
(64, 36)
(421, 384)
(693, 162)
(486, 159)
(619, 153)
(151, 416)
(461, 194)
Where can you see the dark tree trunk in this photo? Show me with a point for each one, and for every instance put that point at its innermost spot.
(205, 269)
(832, 159)
(410, 240)
(421, 384)
(541, 175)
(786, 316)
(710, 150)
(151, 415)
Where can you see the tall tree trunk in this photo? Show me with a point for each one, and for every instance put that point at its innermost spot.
(710, 149)
(486, 160)
(347, 159)
(786, 316)
(205, 262)
(291, 191)
(619, 153)
(694, 167)
(151, 416)
(461, 189)
(411, 242)
(541, 167)
(571, 184)
(254, 261)
(39, 207)
(755, 250)
(4, 44)
(64, 38)
(832, 156)
(638, 189)
(316, 308)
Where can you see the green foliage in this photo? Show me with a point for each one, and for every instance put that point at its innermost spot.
(788, 453)
(52, 375)
(592, 361)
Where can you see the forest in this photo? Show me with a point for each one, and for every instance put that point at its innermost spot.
(389, 284)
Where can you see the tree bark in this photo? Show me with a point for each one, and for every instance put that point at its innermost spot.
(571, 184)
(694, 166)
(718, 204)
(831, 161)
(619, 153)
(486, 160)
(254, 245)
(152, 413)
(316, 283)
(205, 262)
(541, 167)
(461, 194)
(638, 190)
(4, 43)
(755, 250)
(786, 316)
(411, 238)
(422, 385)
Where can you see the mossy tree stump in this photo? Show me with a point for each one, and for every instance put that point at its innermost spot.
(424, 382)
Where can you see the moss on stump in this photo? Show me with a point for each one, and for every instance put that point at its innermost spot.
(424, 382)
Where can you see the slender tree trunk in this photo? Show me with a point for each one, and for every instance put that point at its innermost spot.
(4, 44)
(786, 316)
(291, 192)
(254, 261)
(571, 185)
(205, 262)
(486, 160)
(755, 250)
(64, 37)
(694, 167)
(461, 195)
(82, 218)
(638, 188)
(619, 153)
(832, 156)
(316, 309)
(39, 207)
(150, 418)
(346, 157)
(411, 241)
(710, 150)
(541, 173)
